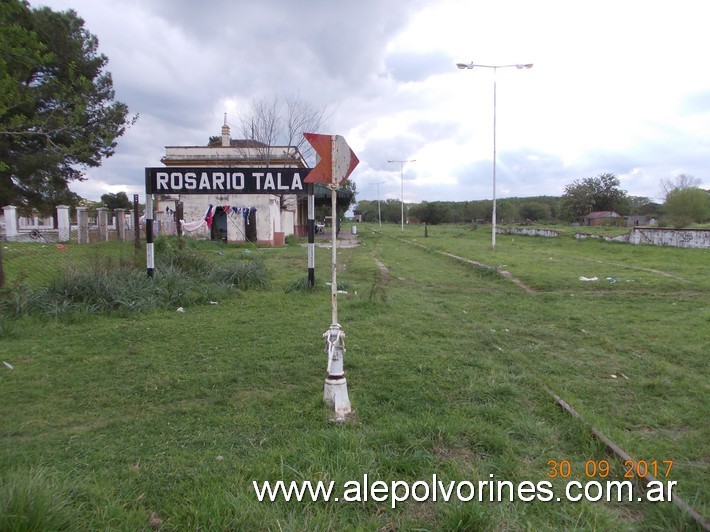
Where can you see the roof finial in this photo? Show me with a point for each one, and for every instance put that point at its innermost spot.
(226, 141)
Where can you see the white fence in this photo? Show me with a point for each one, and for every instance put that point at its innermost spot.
(83, 230)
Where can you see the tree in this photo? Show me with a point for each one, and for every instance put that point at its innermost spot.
(685, 201)
(681, 182)
(432, 213)
(533, 211)
(687, 205)
(272, 122)
(57, 109)
(116, 201)
(592, 194)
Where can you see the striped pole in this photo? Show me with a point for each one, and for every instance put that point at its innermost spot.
(311, 236)
(149, 257)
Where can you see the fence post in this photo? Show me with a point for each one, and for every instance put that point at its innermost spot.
(102, 218)
(178, 221)
(136, 224)
(10, 222)
(63, 224)
(82, 221)
(120, 224)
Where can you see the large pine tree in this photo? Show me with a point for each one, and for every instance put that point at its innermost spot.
(58, 114)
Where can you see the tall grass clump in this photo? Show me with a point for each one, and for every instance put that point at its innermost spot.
(302, 284)
(170, 254)
(182, 277)
(246, 274)
(31, 501)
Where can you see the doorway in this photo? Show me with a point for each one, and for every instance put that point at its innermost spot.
(218, 231)
(250, 226)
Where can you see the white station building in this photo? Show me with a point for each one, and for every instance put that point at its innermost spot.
(262, 218)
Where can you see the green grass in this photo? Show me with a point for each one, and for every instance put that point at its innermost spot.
(115, 418)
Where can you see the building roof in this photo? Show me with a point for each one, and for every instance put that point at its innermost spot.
(237, 143)
(243, 153)
(225, 151)
(602, 214)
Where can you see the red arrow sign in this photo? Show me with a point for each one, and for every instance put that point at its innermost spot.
(337, 160)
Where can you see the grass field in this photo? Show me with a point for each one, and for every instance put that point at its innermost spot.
(164, 419)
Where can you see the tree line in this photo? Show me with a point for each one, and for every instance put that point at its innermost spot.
(685, 203)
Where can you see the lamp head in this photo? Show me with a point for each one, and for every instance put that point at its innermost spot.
(520, 66)
(462, 66)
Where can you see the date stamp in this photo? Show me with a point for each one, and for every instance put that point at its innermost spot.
(602, 469)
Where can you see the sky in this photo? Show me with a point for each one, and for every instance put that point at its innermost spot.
(617, 86)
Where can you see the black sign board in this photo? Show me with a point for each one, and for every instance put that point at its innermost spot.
(214, 180)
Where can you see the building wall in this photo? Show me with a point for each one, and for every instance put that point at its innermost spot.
(657, 236)
(269, 218)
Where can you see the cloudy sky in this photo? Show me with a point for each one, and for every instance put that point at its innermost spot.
(617, 86)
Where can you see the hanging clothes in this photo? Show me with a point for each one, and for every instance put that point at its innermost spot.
(191, 226)
(208, 216)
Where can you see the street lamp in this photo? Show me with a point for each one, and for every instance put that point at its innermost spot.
(379, 212)
(401, 177)
(519, 66)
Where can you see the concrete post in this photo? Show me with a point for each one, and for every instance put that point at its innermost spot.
(63, 223)
(335, 391)
(129, 224)
(102, 217)
(120, 224)
(82, 220)
(10, 222)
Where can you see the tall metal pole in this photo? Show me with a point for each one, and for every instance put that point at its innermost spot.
(334, 241)
(310, 187)
(379, 211)
(469, 66)
(401, 177)
(401, 180)
(149, 254)
(493, 218)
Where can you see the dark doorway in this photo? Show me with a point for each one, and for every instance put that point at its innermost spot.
(218, 230)
(250, 226)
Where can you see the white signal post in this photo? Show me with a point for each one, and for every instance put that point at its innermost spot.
(336, 163)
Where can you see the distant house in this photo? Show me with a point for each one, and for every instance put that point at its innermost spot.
(640, 221)
(602, 218)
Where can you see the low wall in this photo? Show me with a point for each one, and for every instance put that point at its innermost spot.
(658, 236)
(529, 231)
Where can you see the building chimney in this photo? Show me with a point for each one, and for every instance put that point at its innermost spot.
(226, 140)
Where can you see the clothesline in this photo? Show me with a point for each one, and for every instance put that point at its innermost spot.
(245, 212)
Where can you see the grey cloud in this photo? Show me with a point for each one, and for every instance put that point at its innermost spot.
(408, 67)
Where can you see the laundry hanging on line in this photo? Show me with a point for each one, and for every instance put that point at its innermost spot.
(245, 212)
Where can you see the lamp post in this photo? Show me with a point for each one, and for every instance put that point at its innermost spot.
(469, 66)
(401, 177)
(379, 211)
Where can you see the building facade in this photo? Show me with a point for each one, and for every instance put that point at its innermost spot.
(262, 218)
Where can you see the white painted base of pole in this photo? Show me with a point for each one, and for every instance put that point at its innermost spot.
(335, 394)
